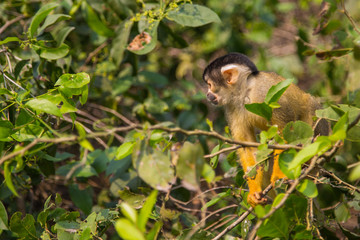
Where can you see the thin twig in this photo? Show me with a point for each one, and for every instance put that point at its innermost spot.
(8, 23)
(229, 149)
(219, 136)
(242, 217)
(115, 113)
(349, 17)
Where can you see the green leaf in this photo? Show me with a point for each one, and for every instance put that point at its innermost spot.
(355, 174)
(148, 47)
(94, 22)
(77, 80)
(6, 129)
(3, 217)
(146, 210)
(90, 223)
(285, 159)
(154, 232)
(54, 53)
(10, 39)
(342, 213)
(19, 66)
(127, 230)
(45, 106)
(208, 173)
(190, 165)
(129, 212)
(261, 109)
(24, 228)
(120, 42)
(28, 133)
(155, 169)
(277, 226)
(215, 160)
(84, 95)
(86, 144)
(321, 145)
(61, 35)
(340, 128)
(70, 226)
(52, 19)
(216, 199)
(276, 91)
(308, 188)
(298, 132)
(193, 15)
(39, 17)
(8, 180)
(4, 91)
(81, 198)
(124, 150)
(155, 105)
(327, 55)
(296, 207)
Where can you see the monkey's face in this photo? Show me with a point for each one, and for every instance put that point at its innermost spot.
(214, 93)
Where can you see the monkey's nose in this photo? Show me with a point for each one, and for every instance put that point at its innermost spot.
(210, 96)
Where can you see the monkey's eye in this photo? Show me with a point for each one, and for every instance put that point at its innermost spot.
(209, 85)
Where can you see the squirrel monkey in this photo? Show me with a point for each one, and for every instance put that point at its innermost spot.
(233, 81)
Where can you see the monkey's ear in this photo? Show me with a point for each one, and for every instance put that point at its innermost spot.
(231, 73)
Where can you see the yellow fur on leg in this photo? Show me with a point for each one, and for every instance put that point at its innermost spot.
(247, 159)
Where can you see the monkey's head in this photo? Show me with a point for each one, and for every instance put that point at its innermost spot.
(226, 75)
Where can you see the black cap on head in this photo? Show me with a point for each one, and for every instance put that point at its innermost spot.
(213, 70)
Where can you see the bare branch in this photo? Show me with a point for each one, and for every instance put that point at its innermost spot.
(8, 23)
(241, 218)
(229, 149)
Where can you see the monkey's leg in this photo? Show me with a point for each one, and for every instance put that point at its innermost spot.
(247, 159)
(276, 173)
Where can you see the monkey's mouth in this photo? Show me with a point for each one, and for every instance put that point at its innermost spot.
(214, 102)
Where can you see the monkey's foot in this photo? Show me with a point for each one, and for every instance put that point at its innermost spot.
(256, 198)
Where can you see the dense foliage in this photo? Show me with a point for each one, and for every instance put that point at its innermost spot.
(105, 132)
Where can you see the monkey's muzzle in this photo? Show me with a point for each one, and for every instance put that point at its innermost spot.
(212, 98)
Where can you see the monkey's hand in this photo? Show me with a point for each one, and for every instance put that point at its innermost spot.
(256, 198)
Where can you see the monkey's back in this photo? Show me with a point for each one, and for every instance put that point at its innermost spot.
(295, 103)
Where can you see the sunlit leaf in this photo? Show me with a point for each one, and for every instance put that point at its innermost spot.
(146, 210)
(127, 230)
(39, 17)
(308, 188)
(54, 53)
(124, 150)
(52, 19)
(10, 39)
(73, 80)
(276, 91)
(129, 212)
(45, 106)
(193, 15)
